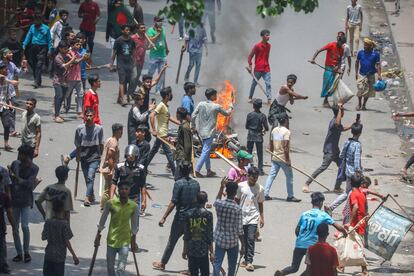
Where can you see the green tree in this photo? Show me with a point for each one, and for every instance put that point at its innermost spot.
(192, 10)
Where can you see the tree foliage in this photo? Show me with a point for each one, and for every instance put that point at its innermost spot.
(192, 10)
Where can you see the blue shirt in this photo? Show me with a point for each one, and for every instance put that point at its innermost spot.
(188, 103)
(367, 62)
(196, 37)
(38, 36)
(83, 51)
(308, 223)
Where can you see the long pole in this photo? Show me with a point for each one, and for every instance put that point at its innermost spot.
(227, 161)
(258, 83)
(95, 252)
(238, 264)
(146, 36)
(299, 170)
(179, 67)
(136, 263)
(193, 160)
(166, 142)
(76, 178)
(11, 106)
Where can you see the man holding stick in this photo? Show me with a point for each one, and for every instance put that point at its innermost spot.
(280, 146)
(261, 53)
(122, 231)
(31, 129)
(204, 120)
(184, 145)
(330, 147)
(162, 114)
(89, 147)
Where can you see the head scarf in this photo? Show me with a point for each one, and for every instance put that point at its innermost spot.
(370, 42)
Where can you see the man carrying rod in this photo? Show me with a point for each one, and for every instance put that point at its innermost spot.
(122, 231)
(261, 52)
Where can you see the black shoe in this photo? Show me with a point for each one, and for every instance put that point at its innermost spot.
(293, 199)
(18, 258)
(5, 270)
(268, 197)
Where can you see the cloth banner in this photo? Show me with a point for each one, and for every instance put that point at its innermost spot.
(386, 229)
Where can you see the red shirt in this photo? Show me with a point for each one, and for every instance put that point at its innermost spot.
(322, 259)
(260, 52)
(140, 48)
(357, 197)
(90, 12)
(333, 54)
(92, 100)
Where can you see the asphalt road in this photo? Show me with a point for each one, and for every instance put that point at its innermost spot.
(294, 38)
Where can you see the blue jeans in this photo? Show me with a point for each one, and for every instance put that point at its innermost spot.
(21, 215)
(168, 153)
(77, 86)
(181, 26)
(276, 165)
(89, 171)
(232, 254)
(60, 92)
(119, 268)
(195, 59)
(267, 79)
(205, 155)
(156, 64)
(90, 36)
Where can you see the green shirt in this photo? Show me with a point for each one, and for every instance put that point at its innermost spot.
(119, 233)
(161, 48)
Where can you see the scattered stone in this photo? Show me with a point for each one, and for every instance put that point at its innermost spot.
(305, 133)
(368, 155)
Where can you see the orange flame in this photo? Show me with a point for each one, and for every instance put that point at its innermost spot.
(224, 98)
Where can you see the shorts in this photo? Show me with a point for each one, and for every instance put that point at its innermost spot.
(124, 74)
(365, 86)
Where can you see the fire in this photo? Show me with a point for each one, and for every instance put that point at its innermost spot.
(224, 98)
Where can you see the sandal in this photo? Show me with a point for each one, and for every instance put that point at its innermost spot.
(15, 134)
(8, 148)
(305, 189)
(158, 266)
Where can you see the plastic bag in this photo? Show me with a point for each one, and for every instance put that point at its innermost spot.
(342, 93)
(350, 250)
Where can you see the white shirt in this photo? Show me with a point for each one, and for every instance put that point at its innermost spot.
(354, 14)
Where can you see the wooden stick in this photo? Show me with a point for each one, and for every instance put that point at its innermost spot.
(11, 106)
(227, 161)
(258, 83)
(146, 36)
(193, 159)
(166, 142)
(299, 170)
(98, 67)
(179, 66)
(136, 263)
(95, 252)
(100, 184)
(76, 179)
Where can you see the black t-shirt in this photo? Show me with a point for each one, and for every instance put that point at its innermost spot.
(123, 50)
(4, 205)
(133, 175)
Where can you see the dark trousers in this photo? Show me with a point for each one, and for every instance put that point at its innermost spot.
(199, 266)
(60, 94)
(3, 253)
(7, 121)
(90, 36)
(259, 149)
(409, 162)
(298, 255)
(328, 158)
(168, 153)
(249, 242)
(177, 230)
(135, 82)
(53, 269)
(37, 59)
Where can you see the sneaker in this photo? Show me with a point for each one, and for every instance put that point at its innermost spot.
(27, 257)
(18, 258)
(250, 267)
(293, 199)
(268, 197)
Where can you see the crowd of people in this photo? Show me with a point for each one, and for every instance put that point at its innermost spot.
(50, 44)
